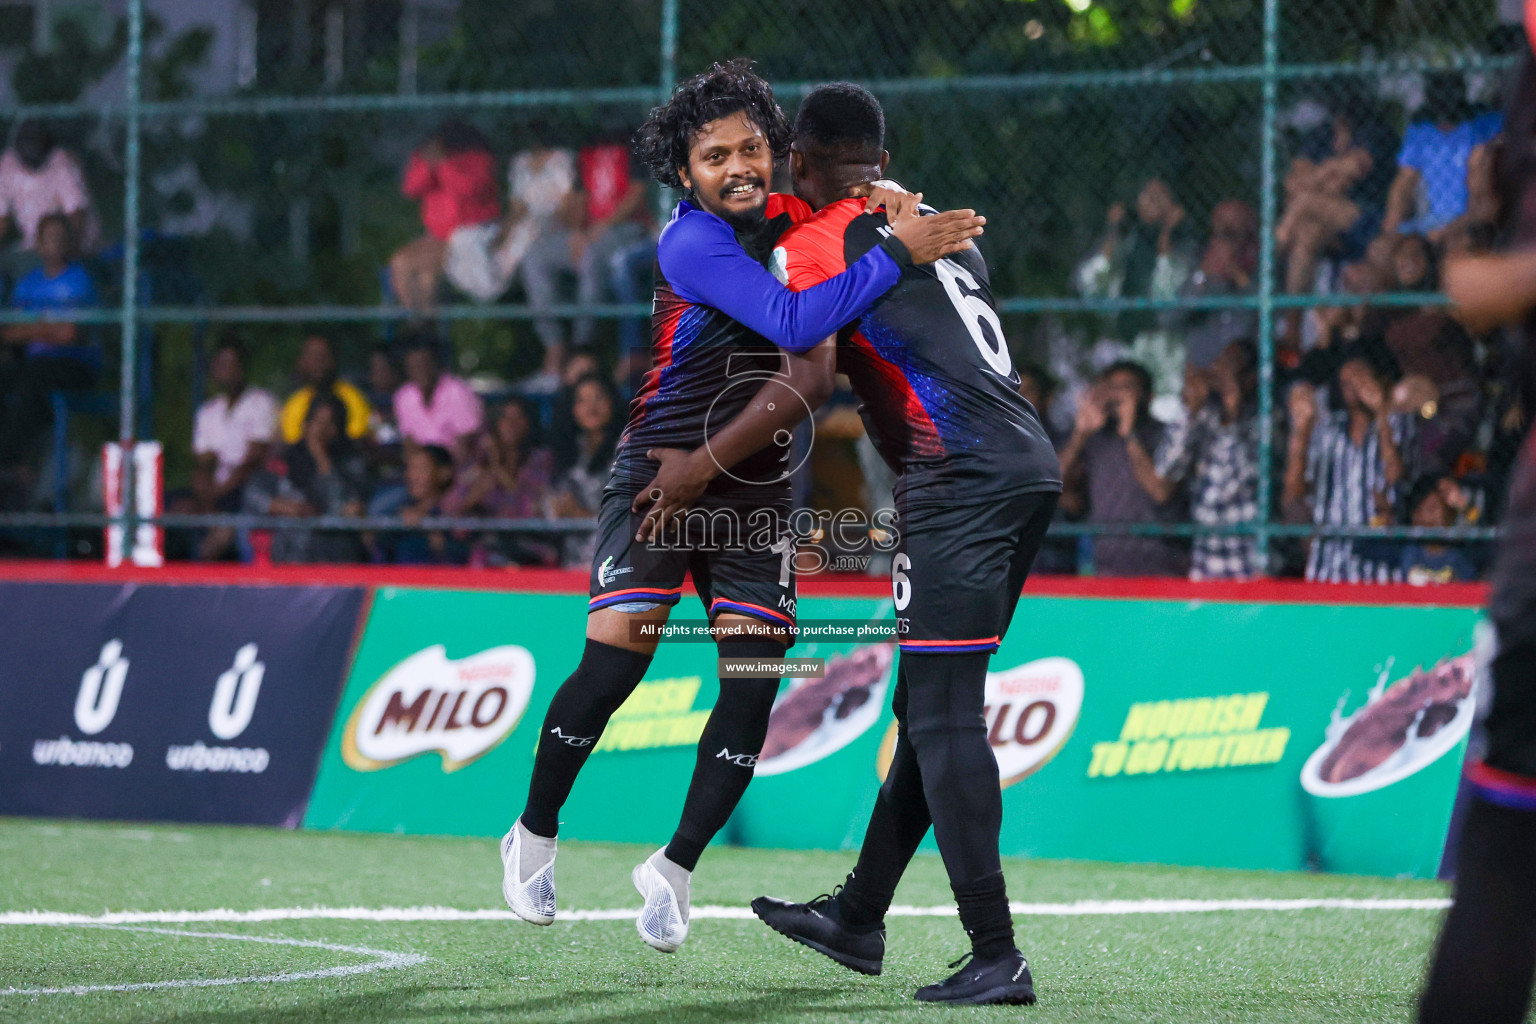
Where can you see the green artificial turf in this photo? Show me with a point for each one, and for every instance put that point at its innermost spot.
(1293, 966)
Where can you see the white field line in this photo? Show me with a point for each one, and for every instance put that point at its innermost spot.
(1080, 908)
(383, 960)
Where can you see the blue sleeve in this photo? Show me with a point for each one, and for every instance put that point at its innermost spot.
(1487, 126)
(702, 261)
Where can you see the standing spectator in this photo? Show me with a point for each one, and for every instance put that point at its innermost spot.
(1146, 255)
(231, 438)
(584, 457)
(46, 356)
(1441, 153)
(1335, 194)
(1101, 485)
(1344, 469)
(316, 370)
(433, 407)
(1227, 267)
(1216, 449)
(453, 176)
(321, 475)
(39, 177)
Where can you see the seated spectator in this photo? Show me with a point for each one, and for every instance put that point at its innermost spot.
(510, 478)
(583, 449)
(543, 183)
(1345, 468)
(1100, 481)
(428, 479)
(316, 371)
(232, 435)
(39, 177)
(46, 356)
(611, 233)
(616, 246)
(433, 407)
(511, 473)
(482, 259)
(1227, 267)
(321, 475)
(1429, 343)
(453, 177)
(384, 379)
(1335, 193)
(1441, 152)
(1215, 449)
(1149, 257)
(1430, 504)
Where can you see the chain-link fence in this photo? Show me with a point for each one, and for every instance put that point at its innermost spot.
(1162, 178)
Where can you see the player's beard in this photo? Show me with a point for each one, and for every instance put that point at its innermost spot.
(744, 220)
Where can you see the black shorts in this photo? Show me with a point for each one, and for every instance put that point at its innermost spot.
(739, 551)
(958, 571)
(1510, 727)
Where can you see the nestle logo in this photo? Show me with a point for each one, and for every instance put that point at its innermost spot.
(461, 709)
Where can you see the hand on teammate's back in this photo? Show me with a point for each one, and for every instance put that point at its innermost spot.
(934, 237)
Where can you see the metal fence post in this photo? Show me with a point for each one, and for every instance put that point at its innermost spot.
(664, 87)
(1267, 272)
(127, 404)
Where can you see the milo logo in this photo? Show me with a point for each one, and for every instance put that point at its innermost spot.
(429, 702)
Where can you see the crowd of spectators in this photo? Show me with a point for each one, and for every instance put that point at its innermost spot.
(1383, 413)
(1386, 415)
(413, 443)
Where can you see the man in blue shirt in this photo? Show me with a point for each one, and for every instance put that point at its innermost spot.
(46, 356)
(1430, 190)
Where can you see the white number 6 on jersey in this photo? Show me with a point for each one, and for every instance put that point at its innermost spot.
(961, 288)
(901, 587)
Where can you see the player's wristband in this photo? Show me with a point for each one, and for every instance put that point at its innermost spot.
(897, 250)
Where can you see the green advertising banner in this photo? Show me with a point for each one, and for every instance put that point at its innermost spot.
(1208, 733)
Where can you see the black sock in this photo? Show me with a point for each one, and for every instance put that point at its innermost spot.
(728, 749)
(985, 916)
(947, 726)
(577, 715)
(1483, 967)
(897, 826)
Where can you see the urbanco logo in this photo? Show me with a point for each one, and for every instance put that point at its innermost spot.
(101, 687)
(462, 709)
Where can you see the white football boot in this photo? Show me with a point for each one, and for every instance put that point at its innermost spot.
(531, 898)
(663, 921)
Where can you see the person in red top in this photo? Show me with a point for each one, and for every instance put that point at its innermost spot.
(453, 177)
